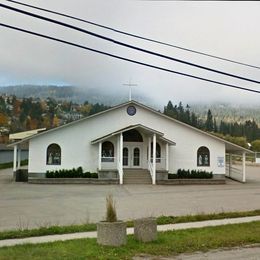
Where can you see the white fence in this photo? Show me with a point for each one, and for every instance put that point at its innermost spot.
(234, 172)
(257, 157)
(234, 167)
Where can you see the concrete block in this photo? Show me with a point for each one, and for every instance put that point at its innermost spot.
(145, 229)
(111, 233)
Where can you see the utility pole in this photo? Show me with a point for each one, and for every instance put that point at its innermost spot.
(130, 85)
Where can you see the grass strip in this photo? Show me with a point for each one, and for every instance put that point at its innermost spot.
(170, 243)
(44, 231)
(163, 220)
(10, 164)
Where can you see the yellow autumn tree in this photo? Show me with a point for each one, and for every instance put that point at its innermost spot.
(56, 121)
(3, 119)
(84, 109)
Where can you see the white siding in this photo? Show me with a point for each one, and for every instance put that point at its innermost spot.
(77, 150)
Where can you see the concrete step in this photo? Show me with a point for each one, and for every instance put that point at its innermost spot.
(136, 172)
(137, 183)
(137, 176)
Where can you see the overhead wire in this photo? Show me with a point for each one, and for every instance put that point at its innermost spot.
(134, 35)
(126, 59)
(125, 44)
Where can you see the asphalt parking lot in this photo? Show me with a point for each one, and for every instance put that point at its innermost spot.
(24, 205)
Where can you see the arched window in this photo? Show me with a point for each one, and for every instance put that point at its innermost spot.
(107, 152)
(158, 152)
(132, 136)
(125, 156)
(53, 154)
(203, 156)
(136, 156)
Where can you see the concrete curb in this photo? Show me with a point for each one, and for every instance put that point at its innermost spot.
(72, 181)
(130, 231)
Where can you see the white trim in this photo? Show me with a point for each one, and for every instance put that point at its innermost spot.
(167, 157)
(149, 149)
(22, 135)
(99, 156)
(167, 141)
(121, 159)
(19, 159)
(105, 137)
(154, 158)
(118, 152)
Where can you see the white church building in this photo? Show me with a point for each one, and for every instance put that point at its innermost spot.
(128, 137)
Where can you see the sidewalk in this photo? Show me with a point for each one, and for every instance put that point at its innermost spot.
(64, 237)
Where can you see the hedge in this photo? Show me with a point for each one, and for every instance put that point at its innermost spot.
(73, 173)
(193, 174)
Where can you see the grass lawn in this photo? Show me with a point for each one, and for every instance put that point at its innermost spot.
(43, 231)
(168, 243)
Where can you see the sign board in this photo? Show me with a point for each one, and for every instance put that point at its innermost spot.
(221, 161)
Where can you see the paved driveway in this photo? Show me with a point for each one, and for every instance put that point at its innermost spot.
(25, 205)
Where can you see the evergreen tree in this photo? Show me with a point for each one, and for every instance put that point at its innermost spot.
(181, 113)
(171, 110)
(215, 127)
(187, 118)
(209, 125)
(194, 120)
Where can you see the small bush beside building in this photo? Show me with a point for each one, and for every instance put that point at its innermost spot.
(193, 174)
(72, 173)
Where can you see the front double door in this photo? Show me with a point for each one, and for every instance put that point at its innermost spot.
(132, 156)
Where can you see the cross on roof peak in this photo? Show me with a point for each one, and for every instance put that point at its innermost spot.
(130, 85)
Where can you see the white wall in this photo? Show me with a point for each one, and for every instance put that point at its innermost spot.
(77, 150)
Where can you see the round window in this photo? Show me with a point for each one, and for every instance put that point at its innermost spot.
(131, 110)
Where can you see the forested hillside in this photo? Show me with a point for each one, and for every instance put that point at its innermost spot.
(241, 133)
(229, 112)
(73, 94)
(21, 114)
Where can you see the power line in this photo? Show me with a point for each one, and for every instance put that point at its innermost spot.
(125, 44)
(134, 35)
(126, 59)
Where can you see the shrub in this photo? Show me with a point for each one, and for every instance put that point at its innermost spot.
(193, 174)
(86, 175)
(70, 173)
(94, 175)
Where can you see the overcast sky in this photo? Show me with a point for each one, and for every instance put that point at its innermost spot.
(226, 29)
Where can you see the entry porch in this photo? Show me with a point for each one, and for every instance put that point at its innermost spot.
(135, 147)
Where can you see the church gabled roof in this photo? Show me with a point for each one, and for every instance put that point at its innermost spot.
(230, 146)
(138, 126)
